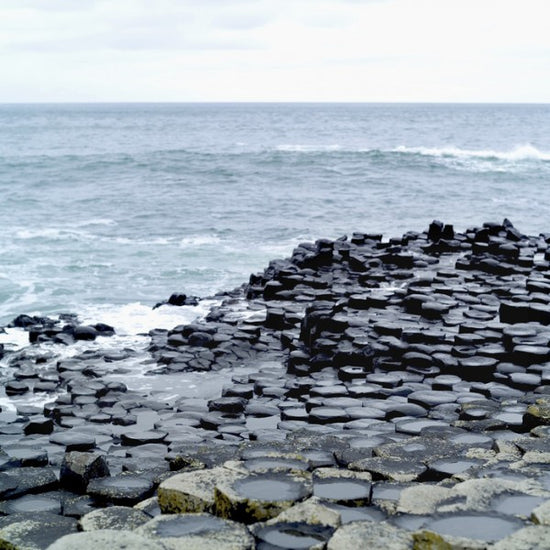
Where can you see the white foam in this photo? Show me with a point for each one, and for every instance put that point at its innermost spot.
(14, 339)
(519, 153)
(304, 148)
(135, 318)
(199, 240)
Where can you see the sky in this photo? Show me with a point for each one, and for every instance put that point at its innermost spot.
(275, 50)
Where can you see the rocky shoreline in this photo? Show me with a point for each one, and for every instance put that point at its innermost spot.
(377, 394)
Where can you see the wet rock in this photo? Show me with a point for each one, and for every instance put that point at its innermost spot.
(292, 535)
(79, 468)
(533, 537)
(192, 492)
(367, 535)
(393, 469)
(314, 511)
(73, 440)
(85, 333)
(114, 517)
(124, 489)
(28, 480)
(39, 425)
(258, 497)
(484, 527)
(142, 437)
(106, 538)
(342, 486)
(34, 531)
(197, 531)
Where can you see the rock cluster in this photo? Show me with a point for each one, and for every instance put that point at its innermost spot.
(380, 395)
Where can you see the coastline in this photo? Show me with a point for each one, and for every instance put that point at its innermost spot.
(402, 383)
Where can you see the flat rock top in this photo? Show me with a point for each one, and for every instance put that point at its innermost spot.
(108, 538)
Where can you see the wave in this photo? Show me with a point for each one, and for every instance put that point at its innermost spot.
(300, 148)
(519, 153)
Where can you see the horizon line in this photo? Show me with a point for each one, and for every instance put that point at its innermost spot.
(272, 102)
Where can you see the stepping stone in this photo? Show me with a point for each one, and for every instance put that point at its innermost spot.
(487, 527)
(430, 398)
(526, 355)
(368, 534)
(444, 468)
(393, 469)
(114, 517)
(233, 405)
(124, 489)
(477, 368)
(192, 492)
(73, 440)
(194, 531)
(258, 497)
(31, 504)
(139, 437)
(29, 480)
(416, 426)
(37, 530)
(26, 456)
(342, 486)
(78, 469)
(292, 535)
(533, 537)
(113, 539)
(327, 415)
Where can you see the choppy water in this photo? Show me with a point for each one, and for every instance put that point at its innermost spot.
(107, 209)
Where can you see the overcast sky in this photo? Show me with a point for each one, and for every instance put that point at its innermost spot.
(275, 50)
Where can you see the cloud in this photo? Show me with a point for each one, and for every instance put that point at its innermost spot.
(269, 49)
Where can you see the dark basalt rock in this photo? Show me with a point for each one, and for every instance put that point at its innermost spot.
(423, 359)
(78, 469)
(125, 489)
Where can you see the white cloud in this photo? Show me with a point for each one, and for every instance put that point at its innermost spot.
(349, 50)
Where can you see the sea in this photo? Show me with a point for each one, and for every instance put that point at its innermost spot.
(108, 209)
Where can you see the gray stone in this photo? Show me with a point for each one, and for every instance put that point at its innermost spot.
(34, 532)
(114, 517)
(363, 535)
(197, 532)
(78, 469)
(192, 491)
(534, 537)
(108, 538)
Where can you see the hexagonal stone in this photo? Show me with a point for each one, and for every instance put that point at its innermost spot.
(46, 502)
(124, 489)
(73, 440)
(283, 534)
(39, 425)
(142, 437)
(258, 497)
(366, 535)
(34, 531)
(196, 532)
(192, 492)
(114, 517)
(342, 486)
(106, 538)
(393, 469)
(533, 537)
(78, 469)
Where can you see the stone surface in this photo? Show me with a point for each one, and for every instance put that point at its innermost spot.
(192, 492)
(107, 538)
(114, 517)
(196, 532)
(368, 535)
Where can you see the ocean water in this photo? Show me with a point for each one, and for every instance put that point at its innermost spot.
(106, 209)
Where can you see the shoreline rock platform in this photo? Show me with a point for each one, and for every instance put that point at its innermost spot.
(378, 394)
